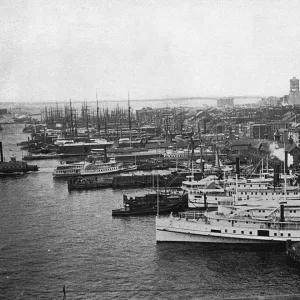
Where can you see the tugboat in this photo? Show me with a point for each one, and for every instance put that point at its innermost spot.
(14, 166)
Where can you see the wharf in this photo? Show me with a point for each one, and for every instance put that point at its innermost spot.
(49, 156)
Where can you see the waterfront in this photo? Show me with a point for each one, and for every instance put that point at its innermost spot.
(51, 238)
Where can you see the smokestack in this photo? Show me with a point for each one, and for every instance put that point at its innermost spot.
(276, 174)
(205, 201)
(105, 153)
(286, 162)
(237, 165)
(202, 166)
(281, 213)
(1, 152)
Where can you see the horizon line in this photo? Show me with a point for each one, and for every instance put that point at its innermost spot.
(148, 99)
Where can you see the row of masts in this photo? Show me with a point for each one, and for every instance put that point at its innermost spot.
(100, 118)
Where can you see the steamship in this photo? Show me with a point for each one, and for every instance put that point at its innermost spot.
(232, 224)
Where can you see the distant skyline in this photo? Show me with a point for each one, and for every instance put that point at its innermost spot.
(57, 50)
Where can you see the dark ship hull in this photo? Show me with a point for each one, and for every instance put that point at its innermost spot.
(147, 205)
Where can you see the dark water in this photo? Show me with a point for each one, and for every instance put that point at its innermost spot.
(51, 238)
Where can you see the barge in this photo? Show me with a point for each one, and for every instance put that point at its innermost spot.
(151, 204)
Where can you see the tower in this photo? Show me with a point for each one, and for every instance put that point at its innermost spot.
(294, 91)
(294, 84)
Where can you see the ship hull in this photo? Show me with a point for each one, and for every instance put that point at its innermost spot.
(173, 236)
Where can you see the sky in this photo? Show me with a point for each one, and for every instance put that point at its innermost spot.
(73, 49)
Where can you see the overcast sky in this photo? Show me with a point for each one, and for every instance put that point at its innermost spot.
(56, 50)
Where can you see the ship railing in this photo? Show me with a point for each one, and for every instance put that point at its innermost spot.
(191, 215)
(266, 224)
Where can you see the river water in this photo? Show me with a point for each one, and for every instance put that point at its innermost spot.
(51, 238)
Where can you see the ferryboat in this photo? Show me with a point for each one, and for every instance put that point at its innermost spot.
(14, 166)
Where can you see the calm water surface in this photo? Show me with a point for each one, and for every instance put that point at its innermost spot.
(51, 238)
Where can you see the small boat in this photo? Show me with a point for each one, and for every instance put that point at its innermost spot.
(170, 201)
(293, 254)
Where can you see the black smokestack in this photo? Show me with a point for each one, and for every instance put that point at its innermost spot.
(105, 153)
(276, 174)
(202, 166)
(205, 201)
(281, 213)
(237, 165)
(1, 152)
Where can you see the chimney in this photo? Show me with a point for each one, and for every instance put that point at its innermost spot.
(277, 136)
(1, 152)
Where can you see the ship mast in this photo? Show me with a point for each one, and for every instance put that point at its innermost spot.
(129, 119)
(157, 199)
(71, 116)
(98, 118)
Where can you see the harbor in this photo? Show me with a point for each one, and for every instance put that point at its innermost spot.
(79, 215)
(150, 150)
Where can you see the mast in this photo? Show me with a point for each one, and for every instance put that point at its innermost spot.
(129, 119)
(284, 172)
(98, 118)
(157, 205)
(71, 116)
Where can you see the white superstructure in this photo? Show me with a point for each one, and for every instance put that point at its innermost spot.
(205, 193)
(86, 168)
(68, 170)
